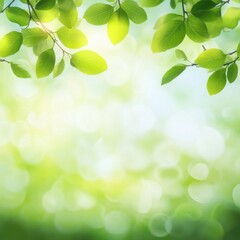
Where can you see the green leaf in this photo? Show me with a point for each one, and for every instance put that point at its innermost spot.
(118, 26)
(173, 4)
(180, 54)
(88, 62)
(45, 4)
(99, 13)
(170, 35)
(217, 81)
(173, 73)
(134, 12)
(1, 5)
(231, 17)
(10, 43)
(206, 11)
(150, 3)
(17, 15)
(59, 68)
(232, 72)
(72, 38)
(167, 18)
(211, 59)
(196, 29)
(215, 27)
(68, 13)
(47, 15)
(19, 71)
(45, 63)
(43, 46)
(32, 36)
(78, 3)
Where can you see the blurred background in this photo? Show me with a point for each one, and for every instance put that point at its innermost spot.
(117, 155)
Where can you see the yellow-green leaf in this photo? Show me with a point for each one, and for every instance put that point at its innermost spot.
(211, 59)
(32, 36)
(10, 43)
(88, 62)
(118, 26)
(19, 71)
(18, 15)
(45, 63)
(59, 68)
(232, 72)
(134, 11)
(98, 14)
(170, 35)
(72, 38)
(217, 81)
(173, 73)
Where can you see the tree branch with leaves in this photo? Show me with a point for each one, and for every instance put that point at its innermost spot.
(197, 20)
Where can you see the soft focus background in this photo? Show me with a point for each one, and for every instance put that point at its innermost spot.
(117, 156)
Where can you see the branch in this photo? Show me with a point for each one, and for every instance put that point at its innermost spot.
(48, 31)
(184, 10)
(9, 5)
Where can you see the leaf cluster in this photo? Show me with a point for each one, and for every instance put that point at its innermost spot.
(196, 20)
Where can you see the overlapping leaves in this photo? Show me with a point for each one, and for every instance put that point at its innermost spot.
(195, 20)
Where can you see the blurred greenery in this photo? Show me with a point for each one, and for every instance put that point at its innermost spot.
(117, 156)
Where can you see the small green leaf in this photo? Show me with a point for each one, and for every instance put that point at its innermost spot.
(167, 18)
(170, 35)
(173, 73)
(231, 17)
(32, 36)
(45, 63)
(45, 4)
(47, 15)
(10, 43)
(19, 71)
(88, 62)
(118, 26)
(211, 59)
(232, 72)
(72, 38)
(173, 4)
(150, 3)
(99, 13)
(180, 54)
(43, 46)
(217, 81)
(59, 68)
(17, 15)
(68, 14)
(134, 12)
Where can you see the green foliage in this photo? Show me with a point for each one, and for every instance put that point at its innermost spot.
(169, 35)
(217, 81)
(45, 63)
(10, 43)
(88, 62)
(118, 26)
(99, 13)
(211, 59)
(195, 20)
(173, 73)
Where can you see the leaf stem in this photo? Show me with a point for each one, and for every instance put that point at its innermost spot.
(4, 60)
(184, 10)
(9, 5)
(48, 31)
